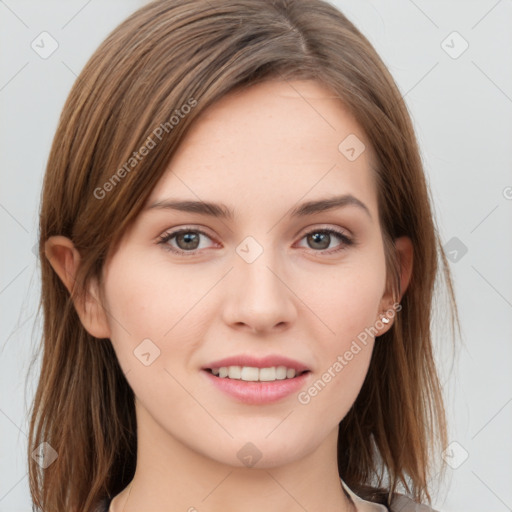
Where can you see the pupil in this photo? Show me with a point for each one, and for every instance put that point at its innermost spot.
(189, 239)
(317, 239)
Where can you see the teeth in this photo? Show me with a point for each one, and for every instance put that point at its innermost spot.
(290, 373)
(250, 373)
(267, 374)
(281, 372)
(235, 372)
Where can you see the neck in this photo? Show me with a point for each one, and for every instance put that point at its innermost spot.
(171, 476)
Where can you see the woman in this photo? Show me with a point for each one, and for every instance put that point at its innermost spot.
(238, 263)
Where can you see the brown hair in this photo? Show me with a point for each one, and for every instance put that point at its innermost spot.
(193, 52)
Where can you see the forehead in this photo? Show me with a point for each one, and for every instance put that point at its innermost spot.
(273, 143)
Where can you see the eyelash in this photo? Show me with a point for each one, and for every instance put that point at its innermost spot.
(166, 237)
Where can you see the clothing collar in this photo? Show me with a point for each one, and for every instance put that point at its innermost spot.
(363, 505)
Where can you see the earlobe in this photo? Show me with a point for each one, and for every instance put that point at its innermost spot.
(405, 254)
(65, 260)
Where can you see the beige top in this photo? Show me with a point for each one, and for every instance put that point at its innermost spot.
(400, 503)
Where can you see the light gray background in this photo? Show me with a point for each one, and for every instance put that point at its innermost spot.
(462, 110)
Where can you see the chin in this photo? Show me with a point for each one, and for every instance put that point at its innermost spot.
(260, 452)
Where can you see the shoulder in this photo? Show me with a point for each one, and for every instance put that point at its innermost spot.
(402, 503)
(374, 501)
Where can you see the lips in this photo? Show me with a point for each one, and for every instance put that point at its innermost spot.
(250, 380)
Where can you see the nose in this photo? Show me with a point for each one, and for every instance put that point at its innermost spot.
(259, 298)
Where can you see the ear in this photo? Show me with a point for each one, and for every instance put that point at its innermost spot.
(387, 309)
(65, 260)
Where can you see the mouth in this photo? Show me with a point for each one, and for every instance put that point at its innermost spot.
(255, 374)
(251, 385)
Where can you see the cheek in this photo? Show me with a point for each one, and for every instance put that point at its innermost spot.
(150, 329)
(147, 299)
(144, 302)
(350, 309)
(345, 299)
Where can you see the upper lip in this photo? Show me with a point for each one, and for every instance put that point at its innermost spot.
(258, 362)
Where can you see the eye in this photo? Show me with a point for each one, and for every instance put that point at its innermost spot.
(322, 238)
(188, 240)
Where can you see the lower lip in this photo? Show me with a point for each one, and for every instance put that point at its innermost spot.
(256, 393)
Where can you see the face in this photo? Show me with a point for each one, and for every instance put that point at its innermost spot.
(269, 284)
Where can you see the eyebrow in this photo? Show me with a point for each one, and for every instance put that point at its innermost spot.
(222, 211)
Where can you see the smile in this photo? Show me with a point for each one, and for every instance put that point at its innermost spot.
(256, 386)
(253, 374)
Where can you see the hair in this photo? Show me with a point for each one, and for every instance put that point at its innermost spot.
(166, 55)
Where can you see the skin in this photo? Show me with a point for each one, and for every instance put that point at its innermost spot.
(261, 152)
